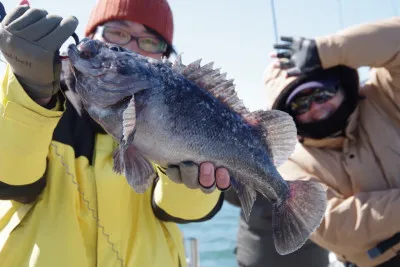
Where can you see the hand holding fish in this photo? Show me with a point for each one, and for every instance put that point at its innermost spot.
(208, 180)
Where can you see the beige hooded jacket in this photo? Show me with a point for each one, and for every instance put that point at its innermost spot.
(362, 170)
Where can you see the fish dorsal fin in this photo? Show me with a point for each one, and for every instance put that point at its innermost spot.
(278, 131)
(277, 127)
(212, 80)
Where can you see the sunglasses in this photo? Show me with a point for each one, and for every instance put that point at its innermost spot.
(118, 36)
(319, 95)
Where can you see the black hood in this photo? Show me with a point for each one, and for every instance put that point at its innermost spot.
(337, 122)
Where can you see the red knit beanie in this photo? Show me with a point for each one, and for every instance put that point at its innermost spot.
(155, 14)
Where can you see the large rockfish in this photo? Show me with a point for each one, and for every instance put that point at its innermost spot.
(170, 113)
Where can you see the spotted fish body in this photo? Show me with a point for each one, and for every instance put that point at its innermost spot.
(170, 113)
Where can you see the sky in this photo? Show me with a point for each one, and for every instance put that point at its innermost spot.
(238, 35)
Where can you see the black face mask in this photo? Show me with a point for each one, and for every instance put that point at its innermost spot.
(333, 125)
(337, 122)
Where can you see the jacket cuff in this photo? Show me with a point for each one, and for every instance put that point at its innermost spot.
(174, 211)
(329, 51)
(164, 216)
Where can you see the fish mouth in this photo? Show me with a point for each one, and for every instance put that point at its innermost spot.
(73, 53)
(86, 48)
(80, 62)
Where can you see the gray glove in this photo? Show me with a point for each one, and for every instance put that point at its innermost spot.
(187, 173)
(30, 39)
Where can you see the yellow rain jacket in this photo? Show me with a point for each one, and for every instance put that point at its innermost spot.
(62, 204)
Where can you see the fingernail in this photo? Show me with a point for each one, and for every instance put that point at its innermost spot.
(206, 169)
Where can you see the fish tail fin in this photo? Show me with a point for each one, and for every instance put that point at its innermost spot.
(294, 219)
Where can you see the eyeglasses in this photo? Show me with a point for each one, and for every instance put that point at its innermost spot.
(118, 36)
(320, 95)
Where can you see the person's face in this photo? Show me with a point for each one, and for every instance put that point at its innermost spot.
(124, 33)
(317, 105)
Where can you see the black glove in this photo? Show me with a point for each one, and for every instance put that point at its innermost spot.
(30, 39)
(300, 55)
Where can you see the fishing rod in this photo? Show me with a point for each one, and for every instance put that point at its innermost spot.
(274, 20)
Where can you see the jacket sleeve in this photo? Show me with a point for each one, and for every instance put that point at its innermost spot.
(372, 44)
(26, 132)
(346, 227)
(174, 202)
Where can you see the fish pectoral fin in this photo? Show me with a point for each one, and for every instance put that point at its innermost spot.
(129, 121)
(294, 219)
(278, 131)
(247, 196)
(139, 172)
(119, 165)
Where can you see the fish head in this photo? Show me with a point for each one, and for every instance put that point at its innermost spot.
(106, 74)
(107, 77)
